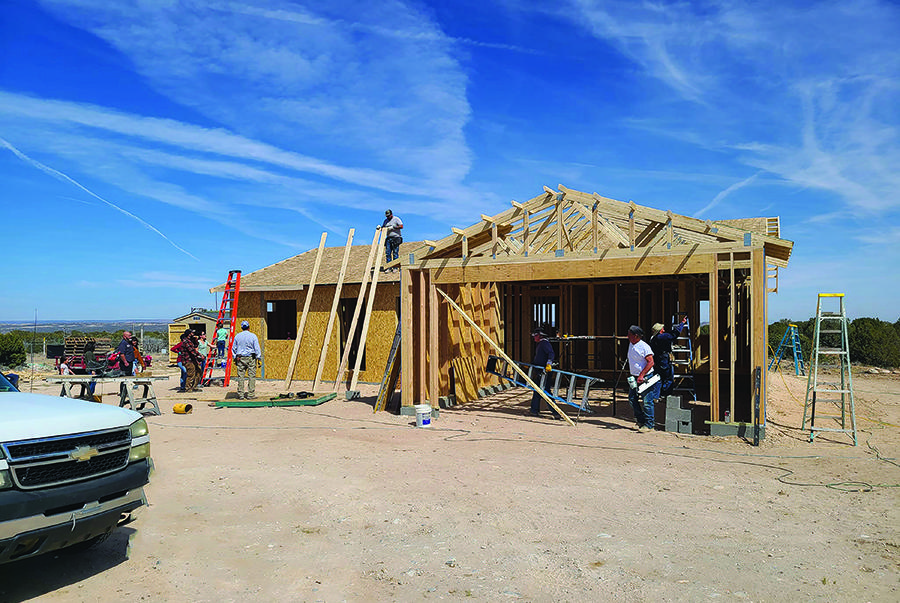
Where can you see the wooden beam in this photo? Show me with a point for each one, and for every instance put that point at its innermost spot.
(759, 325)
(434, 360)
(669, 230)
(509, 360)
(631, 209)
(732, 330)
(494, 241)
(526, 226)
(306, 303)
(370, 265)
(714, 340)
(560, 224)
(583, 266)
(406, 338)
(421, 344)
(334, 308)
(361, 349)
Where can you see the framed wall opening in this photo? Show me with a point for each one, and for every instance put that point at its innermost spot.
(281, 319)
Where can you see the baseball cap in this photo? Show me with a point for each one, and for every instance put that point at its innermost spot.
(245, 324)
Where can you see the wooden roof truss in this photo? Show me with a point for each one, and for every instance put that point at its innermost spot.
(566, 221)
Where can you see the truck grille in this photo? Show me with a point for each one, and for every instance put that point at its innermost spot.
(49, 462)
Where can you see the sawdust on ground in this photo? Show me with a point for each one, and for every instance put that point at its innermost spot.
(335, 503)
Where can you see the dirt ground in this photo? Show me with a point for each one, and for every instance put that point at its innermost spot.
(335, 503)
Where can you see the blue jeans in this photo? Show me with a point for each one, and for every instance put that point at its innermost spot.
(667, 379)
(643, 405)
(392, 248)
(183, 374)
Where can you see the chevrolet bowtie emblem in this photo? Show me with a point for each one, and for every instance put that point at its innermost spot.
(83, 453)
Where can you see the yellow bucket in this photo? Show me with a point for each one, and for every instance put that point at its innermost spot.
(182, 409)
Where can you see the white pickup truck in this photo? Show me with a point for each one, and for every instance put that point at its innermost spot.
(71, 471)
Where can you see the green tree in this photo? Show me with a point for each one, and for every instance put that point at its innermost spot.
(874, 342)
(12, 350)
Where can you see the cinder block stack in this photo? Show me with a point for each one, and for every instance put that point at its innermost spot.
(678, 420)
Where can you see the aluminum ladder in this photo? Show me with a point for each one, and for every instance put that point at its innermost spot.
(791, 338)
(682, 360)
(830, 340)
(561, 386)
(227, 315)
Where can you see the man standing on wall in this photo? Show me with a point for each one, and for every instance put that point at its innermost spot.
(392, 244)
(644, 383)
(247, 354)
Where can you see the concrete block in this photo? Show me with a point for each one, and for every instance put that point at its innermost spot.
(678, 426)
(444, 402)
(673, 401)
(743, 430)
(483, 392)
(678, 414)
(351, 394)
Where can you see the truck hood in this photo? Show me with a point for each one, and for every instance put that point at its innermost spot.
(26, 416)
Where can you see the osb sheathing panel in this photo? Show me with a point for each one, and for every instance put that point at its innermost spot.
(468, 350)
(277, 353)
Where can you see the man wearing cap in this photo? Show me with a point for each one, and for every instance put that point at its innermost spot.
(392, 243)
(125, 353)
(246, 353)
(661, 344)
(543, 357)
(644, 382)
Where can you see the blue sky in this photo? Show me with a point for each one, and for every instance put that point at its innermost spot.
(149, 146)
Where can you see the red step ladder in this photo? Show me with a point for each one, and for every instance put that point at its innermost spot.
(227, 315)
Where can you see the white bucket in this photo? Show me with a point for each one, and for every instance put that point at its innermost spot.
(423, 415)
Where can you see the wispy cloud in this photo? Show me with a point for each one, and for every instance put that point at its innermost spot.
(165, 280)
(805, 92)
(59, 175)
(722, 194)
(300, 76)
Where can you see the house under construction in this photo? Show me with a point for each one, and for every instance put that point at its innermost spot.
(588, 265)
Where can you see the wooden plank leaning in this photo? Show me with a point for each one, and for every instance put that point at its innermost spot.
(509, 360)
(361, 348)
(334, 308)
(309, 294)
(348, 345)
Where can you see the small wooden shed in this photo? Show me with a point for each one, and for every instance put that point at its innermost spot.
(201, 321)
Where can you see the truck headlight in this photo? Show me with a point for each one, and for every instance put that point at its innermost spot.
(5, 479)
(139, 452)
(139, 429)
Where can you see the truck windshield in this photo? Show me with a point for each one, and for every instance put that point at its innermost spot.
(5, 385)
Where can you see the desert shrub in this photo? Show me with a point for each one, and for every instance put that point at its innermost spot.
(874, 342)
(12, 350)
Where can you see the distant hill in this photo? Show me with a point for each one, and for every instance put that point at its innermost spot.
(47, 326)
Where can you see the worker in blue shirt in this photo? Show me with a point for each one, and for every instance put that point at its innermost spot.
(247, 354)
(661, 344)
(543, 357)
